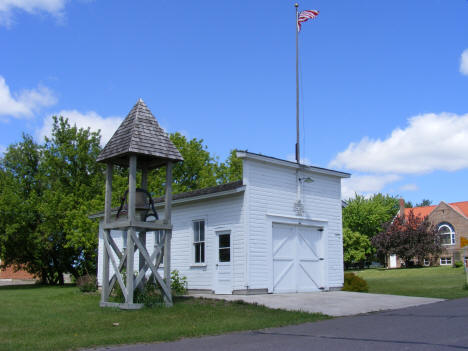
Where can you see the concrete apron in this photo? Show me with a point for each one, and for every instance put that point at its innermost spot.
(332, 303)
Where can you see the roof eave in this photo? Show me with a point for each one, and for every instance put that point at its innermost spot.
(183, 201)
(277, 161)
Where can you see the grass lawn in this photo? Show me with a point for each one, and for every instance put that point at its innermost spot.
(441, 282)
(62, 318)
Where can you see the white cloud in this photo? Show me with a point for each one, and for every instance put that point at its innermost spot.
(8, 7)
(107, 125)
(409, 187)
(2, 150)
(24, 103)
(430, 142)
(464, 62)
(365, 184)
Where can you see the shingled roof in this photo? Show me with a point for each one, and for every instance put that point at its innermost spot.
(140, 134)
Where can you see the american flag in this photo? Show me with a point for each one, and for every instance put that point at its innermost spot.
(304, 16)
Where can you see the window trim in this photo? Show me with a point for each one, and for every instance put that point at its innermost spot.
(201, 263)
(452, 232)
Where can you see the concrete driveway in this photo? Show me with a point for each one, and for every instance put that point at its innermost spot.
(332, 303)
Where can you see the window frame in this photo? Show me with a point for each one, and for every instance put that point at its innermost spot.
(451, 233)
(202, 243)
(218, 248)
(447, 261)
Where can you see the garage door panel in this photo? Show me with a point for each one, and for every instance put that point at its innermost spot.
(308, 276)
(296, 259)
(283, 278)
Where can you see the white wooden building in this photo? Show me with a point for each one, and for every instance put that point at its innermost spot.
(278, 230)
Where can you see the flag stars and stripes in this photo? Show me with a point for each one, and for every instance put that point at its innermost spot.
(305, 16)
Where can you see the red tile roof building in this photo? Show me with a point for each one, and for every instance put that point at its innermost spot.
(451, 219)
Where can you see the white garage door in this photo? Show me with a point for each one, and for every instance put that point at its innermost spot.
(297, 262)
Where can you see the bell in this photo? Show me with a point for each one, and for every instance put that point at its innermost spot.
(143, 205)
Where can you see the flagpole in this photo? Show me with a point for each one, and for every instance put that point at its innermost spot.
(298, 158)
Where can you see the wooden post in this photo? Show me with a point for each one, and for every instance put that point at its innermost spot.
(168, 236)
(131, 230)
(142, 233)
(107, 218)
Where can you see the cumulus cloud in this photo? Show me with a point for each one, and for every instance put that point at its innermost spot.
(464, 62)
(9, 7)
(430, 142)
(107, 125)
(24, 103)
(409, 187)
(365, 184)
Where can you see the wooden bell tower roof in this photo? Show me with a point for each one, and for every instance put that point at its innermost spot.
(140, 134)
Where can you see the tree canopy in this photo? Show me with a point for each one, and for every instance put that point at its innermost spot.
(367, 215)
(48, 190)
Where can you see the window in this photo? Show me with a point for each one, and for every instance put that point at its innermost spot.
(447, 234)
(427, 262)
(445, 261)
(199, 241)
(124, 239)
(224, 247)
(158, 237)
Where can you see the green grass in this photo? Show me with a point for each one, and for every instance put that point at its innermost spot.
(62, 318)
(440, 282)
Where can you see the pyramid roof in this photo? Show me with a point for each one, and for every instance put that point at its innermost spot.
(140, 134)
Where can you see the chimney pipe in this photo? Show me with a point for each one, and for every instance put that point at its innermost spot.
(402, 208)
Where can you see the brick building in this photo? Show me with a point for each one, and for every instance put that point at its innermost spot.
(451, 220)
(9, 273)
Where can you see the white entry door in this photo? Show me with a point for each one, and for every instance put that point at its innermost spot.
(393, 261)
(298, 265)
(223, 280)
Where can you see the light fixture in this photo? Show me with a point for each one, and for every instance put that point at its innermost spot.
(306, 180)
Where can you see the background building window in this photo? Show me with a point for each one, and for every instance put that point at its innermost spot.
(199, 241)
(445, 261)
(427, 262)
(447, 234)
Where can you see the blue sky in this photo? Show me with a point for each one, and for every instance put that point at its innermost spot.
(384, 83)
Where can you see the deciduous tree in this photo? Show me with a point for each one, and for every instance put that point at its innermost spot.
(410, 237)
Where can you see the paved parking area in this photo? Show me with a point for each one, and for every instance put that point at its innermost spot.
(332, 303)
(432, 327)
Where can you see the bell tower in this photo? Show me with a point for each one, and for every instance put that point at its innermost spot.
(139, 144)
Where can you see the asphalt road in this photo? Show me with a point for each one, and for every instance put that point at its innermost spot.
(439, 326)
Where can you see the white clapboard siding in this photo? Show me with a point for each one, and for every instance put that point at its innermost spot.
(272, 189)
(219, 214)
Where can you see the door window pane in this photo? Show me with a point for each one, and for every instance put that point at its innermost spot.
(224, 247)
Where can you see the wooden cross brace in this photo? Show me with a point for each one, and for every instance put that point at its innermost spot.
(165, 285)
(156, 256)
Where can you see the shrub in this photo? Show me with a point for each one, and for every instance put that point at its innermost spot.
(458, 264)
(87, 283)
(354, 283)
(150, 296)
(178, 283)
